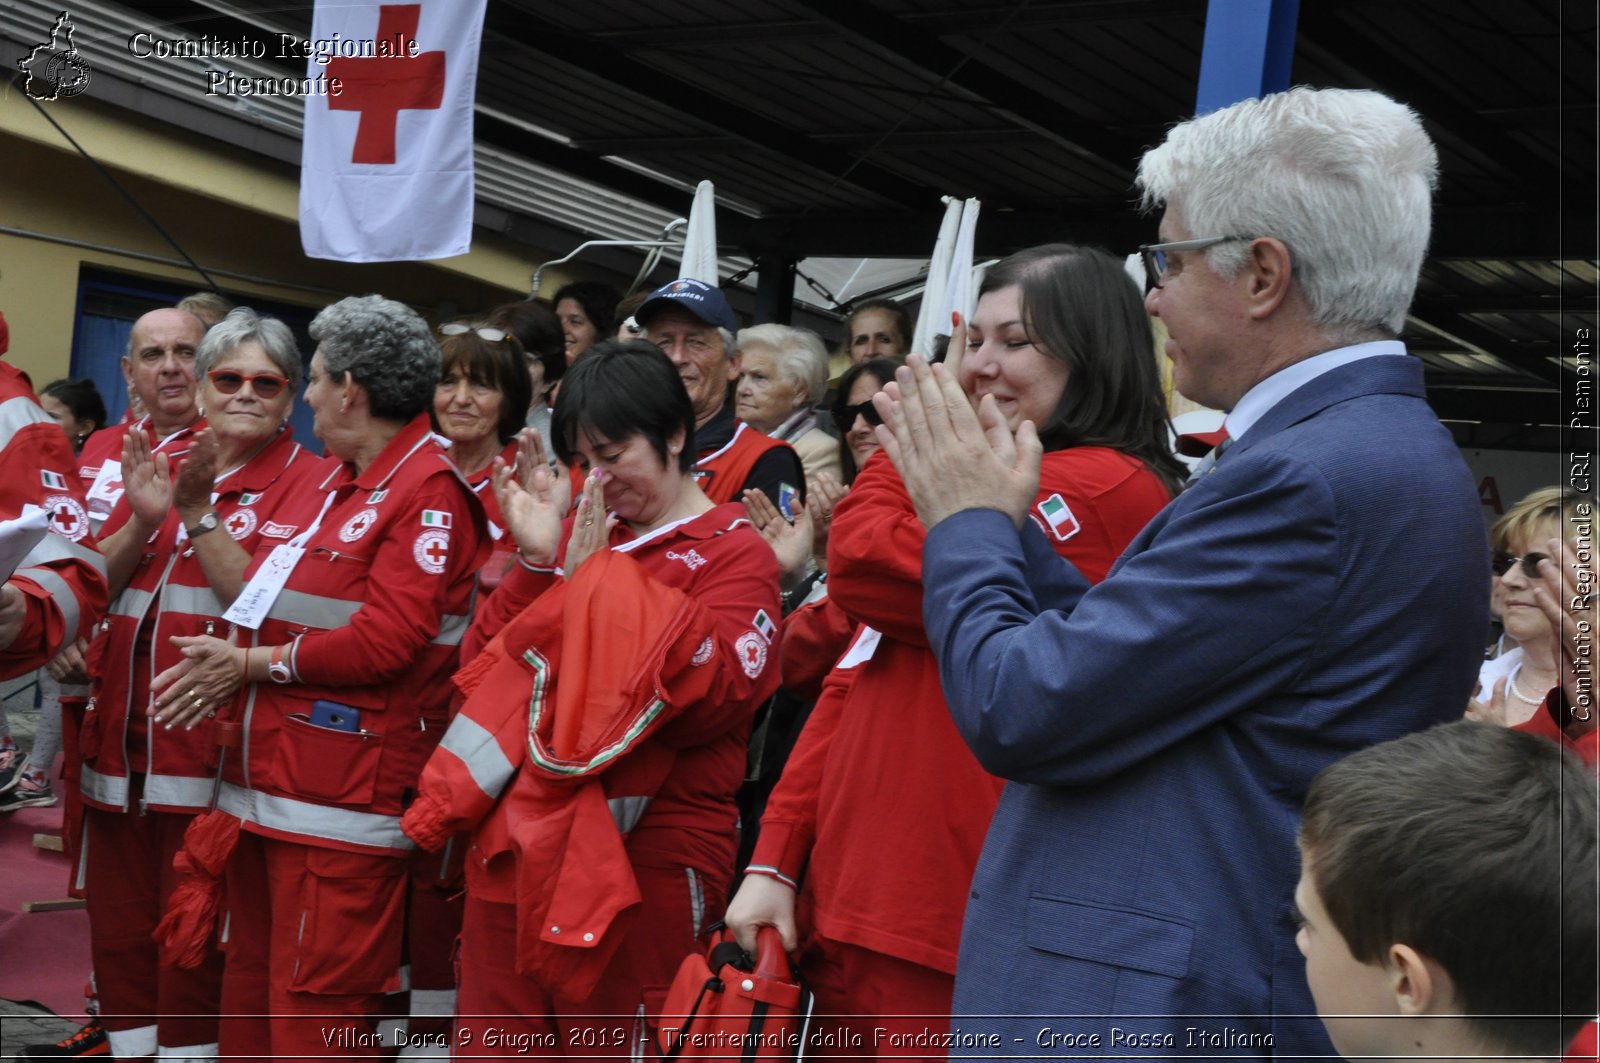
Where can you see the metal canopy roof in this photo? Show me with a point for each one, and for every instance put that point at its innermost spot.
(832, 127)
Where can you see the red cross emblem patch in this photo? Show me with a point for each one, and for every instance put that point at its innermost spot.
(68, 518)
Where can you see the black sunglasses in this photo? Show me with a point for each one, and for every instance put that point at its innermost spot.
(1502, 563)
(845, 416)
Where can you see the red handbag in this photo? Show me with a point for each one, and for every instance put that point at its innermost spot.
(728, 1004)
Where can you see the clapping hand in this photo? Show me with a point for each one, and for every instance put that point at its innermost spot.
(591, 525)
(950, 458)
(1567, 598)
(791, 542)
(197, 474)
(1493, 708)
(211, 672)
(533, 499)
(821, 498)
(147, 480)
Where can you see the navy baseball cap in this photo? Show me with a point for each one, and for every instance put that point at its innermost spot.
(698, 298)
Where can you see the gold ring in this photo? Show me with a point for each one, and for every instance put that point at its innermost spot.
(194, 695)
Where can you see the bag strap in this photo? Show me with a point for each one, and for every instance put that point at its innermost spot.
(713, 984)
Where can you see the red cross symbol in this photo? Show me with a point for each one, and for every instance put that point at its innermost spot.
(381, 87)
(359, 525)
(65, 519)
(238, 524)
(437, 553)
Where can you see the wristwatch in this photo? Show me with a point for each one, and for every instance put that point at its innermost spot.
(206, 523)
(277, 671)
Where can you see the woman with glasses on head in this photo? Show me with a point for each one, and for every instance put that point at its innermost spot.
(350, 628)
(176, 548)
(881, 805)
(1512, 686)
(480, 404)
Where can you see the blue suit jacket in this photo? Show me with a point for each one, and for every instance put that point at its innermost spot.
(1323, 588)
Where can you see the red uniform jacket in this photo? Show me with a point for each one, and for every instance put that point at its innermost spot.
(169, 595)
(1547, 722)
(503, 550)
(879, 767)
(371, 618)
(685, 611)
(723, 466)
(63, 578)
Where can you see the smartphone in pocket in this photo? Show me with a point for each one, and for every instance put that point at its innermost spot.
(335, 716)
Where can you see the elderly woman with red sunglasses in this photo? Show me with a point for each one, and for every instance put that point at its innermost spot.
(176, 547)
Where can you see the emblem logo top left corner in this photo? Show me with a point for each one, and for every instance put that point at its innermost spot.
(55, 70)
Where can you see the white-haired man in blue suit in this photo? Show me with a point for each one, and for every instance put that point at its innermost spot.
(1321, 588)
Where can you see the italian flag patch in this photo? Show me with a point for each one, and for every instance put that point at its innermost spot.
(53, 480)
(1057, 516)
(435, 518)
(763, 623)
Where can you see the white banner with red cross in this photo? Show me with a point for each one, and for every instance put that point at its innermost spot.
(386, 164)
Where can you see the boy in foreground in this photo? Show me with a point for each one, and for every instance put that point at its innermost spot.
(1448, 896)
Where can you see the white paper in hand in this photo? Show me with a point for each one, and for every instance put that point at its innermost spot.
(18, 537)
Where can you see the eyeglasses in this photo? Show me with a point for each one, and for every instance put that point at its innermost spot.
(1503, 562)
(265, 385)
(484, 332)
(1155, 255)
(845, 416)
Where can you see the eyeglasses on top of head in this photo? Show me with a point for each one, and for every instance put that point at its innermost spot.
(1155, 255)
(1502, 562)
(483, 332)
(265, 385)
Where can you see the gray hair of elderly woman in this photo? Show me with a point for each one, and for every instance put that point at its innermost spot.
(802, 357)
(242, 326)
(386, 347)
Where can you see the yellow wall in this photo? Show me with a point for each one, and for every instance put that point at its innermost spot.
(229, 209)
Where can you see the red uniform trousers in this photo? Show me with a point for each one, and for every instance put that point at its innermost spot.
(495, 1000)
(870, 1005)
(433, 925)
(143, 1001)
(312, 945)
(72, 709)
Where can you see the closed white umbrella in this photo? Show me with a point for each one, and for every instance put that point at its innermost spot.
(960, 285)
(938, 275)
(700, 241)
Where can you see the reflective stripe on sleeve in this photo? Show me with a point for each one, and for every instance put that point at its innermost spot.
(475, 746)
(60, 592)
(451, 629)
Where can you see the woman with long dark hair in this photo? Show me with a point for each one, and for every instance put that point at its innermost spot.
(881, 803)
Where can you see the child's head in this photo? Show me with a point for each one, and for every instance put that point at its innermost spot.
(1451, 873)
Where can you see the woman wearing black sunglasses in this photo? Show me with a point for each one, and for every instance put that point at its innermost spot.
(176, 548)
(1512, 686)
(881, 804)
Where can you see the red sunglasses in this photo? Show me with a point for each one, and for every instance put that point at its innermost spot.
(265, 385)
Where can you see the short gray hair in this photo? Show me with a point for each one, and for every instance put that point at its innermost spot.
(386, 347)
(801, 355)
(242, 326)
(1344, 177)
